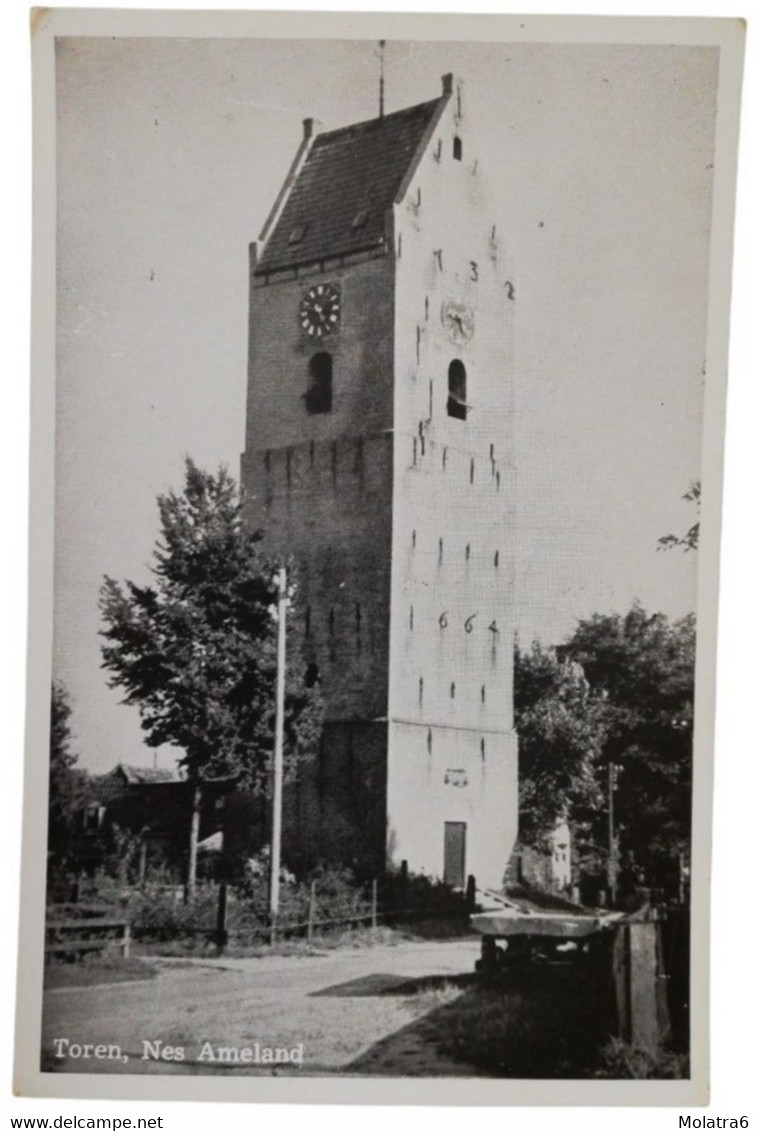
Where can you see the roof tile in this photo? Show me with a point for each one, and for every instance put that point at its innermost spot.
(355, 170)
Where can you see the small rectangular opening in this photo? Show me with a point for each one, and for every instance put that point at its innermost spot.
(457, 406)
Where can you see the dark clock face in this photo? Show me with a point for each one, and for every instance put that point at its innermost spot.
(458, 320)
(320, 310)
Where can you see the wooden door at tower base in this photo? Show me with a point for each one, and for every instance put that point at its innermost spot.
(454, 853)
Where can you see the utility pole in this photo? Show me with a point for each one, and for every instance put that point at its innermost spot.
(382, 79)
(612, 861)
(279, 726)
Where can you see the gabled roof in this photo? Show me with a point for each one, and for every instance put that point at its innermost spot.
(145, 775)
(348, 180)
(115, 784)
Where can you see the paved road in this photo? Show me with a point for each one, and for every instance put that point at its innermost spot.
(333, 1007)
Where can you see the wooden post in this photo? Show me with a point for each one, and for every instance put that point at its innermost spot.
(311, 911)
(402, 910)
(643, 1019)
(620, 970)
(279, 726)
(612, 861)
(221, 919)
(663, 1016)
(143, 867)
(644, 1014)
(126, 945)
(471, 893)
(374, 904)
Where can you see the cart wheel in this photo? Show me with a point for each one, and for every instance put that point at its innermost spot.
(519, 951)
(488, 961)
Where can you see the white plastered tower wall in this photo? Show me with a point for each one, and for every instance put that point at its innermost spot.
(452, 757)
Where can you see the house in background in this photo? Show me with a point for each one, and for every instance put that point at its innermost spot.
(548, 868)
(144, 814)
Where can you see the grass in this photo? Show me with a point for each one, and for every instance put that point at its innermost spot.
(286, 947)
(299, 947)
(95, 970)
(540, 1022)
(436, 994)
(619, 1061)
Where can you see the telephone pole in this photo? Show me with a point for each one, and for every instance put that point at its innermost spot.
(279, 726)
(612, 861)
(382, 79)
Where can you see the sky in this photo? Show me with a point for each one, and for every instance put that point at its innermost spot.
(170, 153)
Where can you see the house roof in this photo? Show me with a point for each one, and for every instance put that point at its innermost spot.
(145, 775)
(125, 780)
(348, 180)
(115, 784)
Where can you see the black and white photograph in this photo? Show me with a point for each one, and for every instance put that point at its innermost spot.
(378, 421)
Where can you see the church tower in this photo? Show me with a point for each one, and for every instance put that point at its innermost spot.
(379, 455)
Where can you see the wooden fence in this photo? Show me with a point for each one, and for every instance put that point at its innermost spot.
(85, 927)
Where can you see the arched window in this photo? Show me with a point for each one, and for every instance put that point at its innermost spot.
(319, 393)
(458, 149)
(457, 405)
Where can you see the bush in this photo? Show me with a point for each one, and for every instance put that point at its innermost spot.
(157, 913)
(337, 897)
(620, 1061)
(408, 898)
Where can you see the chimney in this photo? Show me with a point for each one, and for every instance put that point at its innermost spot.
(308, 128)
(448, 84)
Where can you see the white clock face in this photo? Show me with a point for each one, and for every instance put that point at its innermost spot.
(320, 310)
(458, 321)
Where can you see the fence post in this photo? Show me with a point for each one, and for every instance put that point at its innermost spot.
(221, 919)
(374, 904)
(644, 1011)
(402, 911)
(143, 867)
(642, 1016)
(126, 946)
(620, 972)
(311, 911)
(471, 893)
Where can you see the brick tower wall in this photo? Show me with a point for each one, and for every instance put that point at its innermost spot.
(320, 488)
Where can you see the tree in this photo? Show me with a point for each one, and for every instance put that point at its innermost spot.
(65, 782)
(196, 651)
(644, 667)
(689, 540)
(561, 723)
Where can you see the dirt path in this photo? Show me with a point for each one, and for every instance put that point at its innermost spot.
(346, 1010)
